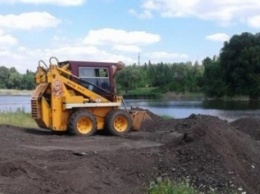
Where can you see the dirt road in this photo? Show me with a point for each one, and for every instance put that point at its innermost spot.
(207, 151)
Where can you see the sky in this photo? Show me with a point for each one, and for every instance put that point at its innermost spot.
(165, 31)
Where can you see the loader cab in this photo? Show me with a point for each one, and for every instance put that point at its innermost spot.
(96, 76)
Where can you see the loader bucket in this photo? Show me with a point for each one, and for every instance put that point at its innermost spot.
(139, 117)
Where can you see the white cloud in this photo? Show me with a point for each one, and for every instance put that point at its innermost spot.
(23, 58)
(86, 53)
(118, 45)
(52, 2)
(170, 8)
(158, 56)
(6, 40)
(8, 57)
(117, 36)
(144, 15)
(127, 48)
(254, 21)
(219, 37)
(12, 59)
(26, 58)
(29, 21)
(223, 12)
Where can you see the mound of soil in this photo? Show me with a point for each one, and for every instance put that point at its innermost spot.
(250, 126)
(208, 152)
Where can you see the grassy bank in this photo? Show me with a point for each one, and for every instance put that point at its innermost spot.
(185, 95)
(142, 93)
(152, 93)
(18, 118)
(10, 92)
(162, 96)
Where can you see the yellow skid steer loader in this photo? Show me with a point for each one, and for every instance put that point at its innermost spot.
(80, 97)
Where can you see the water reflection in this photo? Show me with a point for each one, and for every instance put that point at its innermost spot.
(231, 105)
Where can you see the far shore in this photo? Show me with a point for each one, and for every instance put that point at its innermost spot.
(165, 96)
(11, 92)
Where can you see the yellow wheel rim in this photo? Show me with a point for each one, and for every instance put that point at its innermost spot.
(84, 125)
(120, 124)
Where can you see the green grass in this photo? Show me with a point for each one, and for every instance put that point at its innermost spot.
(184, 187)
(168, 187)
(17, 118)
(144, 89)
(166, 117)
(141, 93)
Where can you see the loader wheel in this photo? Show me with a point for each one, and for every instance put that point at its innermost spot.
(118, 122)
(82, 123)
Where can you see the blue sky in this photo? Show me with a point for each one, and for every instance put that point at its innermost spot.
(116, 30)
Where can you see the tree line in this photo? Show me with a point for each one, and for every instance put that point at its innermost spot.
(235, 71)
(163, 77)
(10, 78)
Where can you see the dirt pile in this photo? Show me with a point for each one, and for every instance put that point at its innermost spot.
(209, 152)
(250, 126)
(218, 155)
(205, 150)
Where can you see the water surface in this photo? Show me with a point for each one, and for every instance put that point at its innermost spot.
(228, 110)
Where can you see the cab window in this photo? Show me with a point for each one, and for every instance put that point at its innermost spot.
(97, 77)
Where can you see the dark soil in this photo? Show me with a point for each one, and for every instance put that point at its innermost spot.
(250, 126)
(208, 152)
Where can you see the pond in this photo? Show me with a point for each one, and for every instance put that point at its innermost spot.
(228, 110)
(13, 103)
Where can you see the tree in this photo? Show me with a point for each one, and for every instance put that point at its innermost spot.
(128, 78)
(27, 81)
(14, 81)
(159, 74)
(4, 75)
(240, 65)
(212, 81)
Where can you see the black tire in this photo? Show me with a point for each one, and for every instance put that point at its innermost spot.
(118, 122)
(82, 123)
